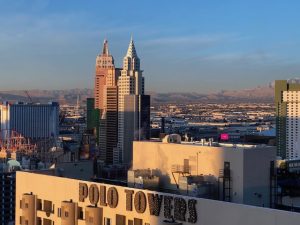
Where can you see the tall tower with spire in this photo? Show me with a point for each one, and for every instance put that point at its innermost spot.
(133, 106)
(106, 101)
(104, 65)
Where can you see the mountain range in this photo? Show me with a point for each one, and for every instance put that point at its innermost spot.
(260, 94)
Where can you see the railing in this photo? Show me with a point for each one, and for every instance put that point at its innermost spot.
(180, 169)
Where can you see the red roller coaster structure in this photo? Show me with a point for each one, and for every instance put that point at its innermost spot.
(13, 142)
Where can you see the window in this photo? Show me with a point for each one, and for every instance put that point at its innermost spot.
(47, 206)
(80, 213)
(47, 222)
(138, 221)
(39, 221)
(120, 220)
(59, 212)
(107, 221)
(39, 204)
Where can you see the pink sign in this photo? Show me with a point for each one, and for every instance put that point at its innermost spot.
(224, 137)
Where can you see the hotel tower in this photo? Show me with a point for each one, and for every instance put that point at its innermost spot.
(133, 106)
(287, 101)
(106, 100)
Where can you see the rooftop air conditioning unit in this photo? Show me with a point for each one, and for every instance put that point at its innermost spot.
(172, 138)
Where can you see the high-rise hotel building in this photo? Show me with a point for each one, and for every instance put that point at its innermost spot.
(106, 100)
(133, 106)
(287, 101)
(34, 121)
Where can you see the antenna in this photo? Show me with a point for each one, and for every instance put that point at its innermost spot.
(77, 105)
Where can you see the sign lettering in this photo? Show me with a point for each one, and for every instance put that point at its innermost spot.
(177, 208)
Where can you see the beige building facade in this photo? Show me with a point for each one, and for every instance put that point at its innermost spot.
(49, 200)
(248, 166)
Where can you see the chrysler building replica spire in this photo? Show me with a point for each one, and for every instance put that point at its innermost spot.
(131, 60)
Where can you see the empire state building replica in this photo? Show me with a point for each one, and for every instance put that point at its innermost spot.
(106, 102)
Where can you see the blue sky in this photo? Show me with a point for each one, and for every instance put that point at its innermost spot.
(193, 45)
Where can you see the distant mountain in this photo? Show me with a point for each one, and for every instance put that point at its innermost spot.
(257, 94)
(62, 96)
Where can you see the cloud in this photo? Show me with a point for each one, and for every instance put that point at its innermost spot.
(32, 5)
(56, 29)
(192, 40)
(259, 56)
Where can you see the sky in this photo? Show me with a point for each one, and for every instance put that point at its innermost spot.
(184, 46)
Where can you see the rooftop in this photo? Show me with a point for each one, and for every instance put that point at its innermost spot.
(213, 144)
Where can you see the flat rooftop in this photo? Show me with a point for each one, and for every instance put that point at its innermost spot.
(213, 144)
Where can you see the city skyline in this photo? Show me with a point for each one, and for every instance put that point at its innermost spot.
(54, 43)
(149, 112)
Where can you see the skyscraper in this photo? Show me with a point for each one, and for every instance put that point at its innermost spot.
(106, 101)
(287, 101)
(132, 118)
(104, 67)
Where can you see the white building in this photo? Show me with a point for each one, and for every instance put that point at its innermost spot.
(130, 86)
(287, 102)
(236, 173)
(34, 121)
(292, 100)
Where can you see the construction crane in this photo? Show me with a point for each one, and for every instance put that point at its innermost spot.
(62, 116)
(30, 99)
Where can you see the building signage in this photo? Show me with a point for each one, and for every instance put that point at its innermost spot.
(176, 208)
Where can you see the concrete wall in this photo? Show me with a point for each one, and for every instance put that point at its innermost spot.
(209, 212)
(130, 125)
(257, 176)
